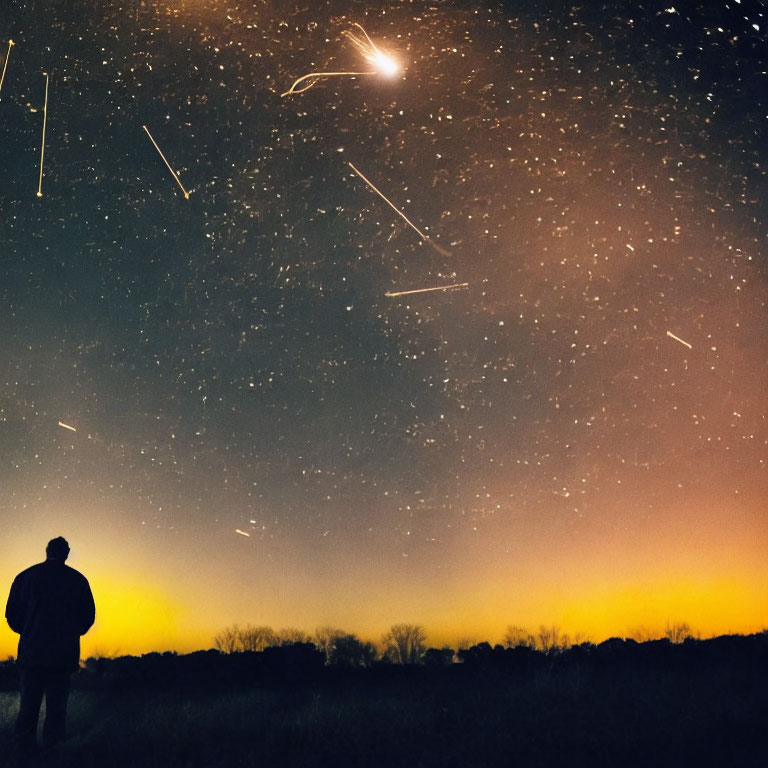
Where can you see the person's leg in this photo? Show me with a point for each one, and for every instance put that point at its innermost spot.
(32, 686)
(56, 694)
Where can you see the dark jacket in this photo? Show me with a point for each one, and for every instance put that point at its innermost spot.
(50, 606)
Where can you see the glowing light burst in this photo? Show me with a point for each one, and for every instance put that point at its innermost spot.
(383, 64)
(371, 53)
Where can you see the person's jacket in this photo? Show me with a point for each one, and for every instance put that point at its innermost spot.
(50, 606)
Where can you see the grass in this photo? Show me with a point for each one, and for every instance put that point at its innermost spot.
(561, 717)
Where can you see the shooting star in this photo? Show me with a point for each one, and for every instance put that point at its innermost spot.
(426, 238)
(243, 533)
(42, 144)
(383, 64)
(677, 338)
(5, 63)
(168, 165)
(392, 294)
(66, 426)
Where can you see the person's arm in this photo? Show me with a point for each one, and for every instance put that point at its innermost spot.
(88, 608)
(14, 608)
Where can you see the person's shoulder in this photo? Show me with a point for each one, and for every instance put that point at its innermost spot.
(30, 572)
(74, 574)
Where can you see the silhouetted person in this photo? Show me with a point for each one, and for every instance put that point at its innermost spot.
(50, 606)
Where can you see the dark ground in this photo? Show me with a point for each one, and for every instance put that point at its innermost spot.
(618, 704)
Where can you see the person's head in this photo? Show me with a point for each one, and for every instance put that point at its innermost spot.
(57, 549)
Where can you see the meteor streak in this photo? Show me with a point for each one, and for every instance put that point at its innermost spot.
(242, 533)
(383, 64)
(424, 237)
(5, 63)
(168, 165)
(42, 143)
(677, 338)
(66, 426)
(392, 294)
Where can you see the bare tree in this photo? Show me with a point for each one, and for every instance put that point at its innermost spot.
(519, 637)
(642, 634)
(404, 643)
(228, 640)
(256, 638)
(325, 640)
(552, 640)
(678, 632)
(290, 636)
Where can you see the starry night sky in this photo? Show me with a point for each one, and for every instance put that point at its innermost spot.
(579, 435)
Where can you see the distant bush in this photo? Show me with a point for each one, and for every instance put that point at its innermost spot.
(439, 657)
(351, 652)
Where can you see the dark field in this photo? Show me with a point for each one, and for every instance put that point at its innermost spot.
(621, 704)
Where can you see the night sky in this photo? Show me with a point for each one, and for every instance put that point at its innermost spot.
(219, 403)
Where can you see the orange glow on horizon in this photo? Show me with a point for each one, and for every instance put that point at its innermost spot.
(135, 618)
(702, 566)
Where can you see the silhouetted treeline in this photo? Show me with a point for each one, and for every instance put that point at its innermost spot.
(618, 653)
(304, 663)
